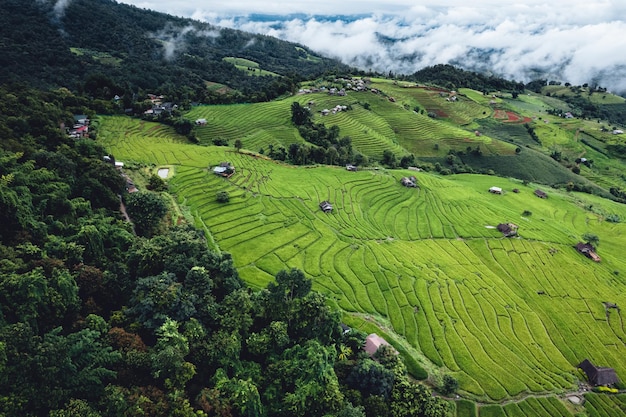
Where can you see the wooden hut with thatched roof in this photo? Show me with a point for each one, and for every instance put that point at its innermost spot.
(598, 375)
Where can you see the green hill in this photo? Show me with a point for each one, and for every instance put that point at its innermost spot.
(106, 48)
(508, 317)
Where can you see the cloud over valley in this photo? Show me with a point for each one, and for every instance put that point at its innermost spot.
(569, 41)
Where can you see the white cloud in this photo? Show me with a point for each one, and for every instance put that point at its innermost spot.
(569, 40)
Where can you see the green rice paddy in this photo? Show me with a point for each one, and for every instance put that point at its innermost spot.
(508, 317)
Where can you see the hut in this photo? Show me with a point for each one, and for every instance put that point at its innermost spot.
(326, 207)
(409, 181)
(597, 375)
(541, 194)
(224, 169)
(495, 190)
(373, 342)
(508, 229)
(588, 250)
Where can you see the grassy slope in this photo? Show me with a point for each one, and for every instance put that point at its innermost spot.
(505, 316)
(376, 123)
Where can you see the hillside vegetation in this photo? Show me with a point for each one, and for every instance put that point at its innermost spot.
(136, 281)
(427, 264)
(105, 48)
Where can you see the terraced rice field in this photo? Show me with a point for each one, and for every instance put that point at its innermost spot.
(507, 317)
(384, 126)
(605, 405)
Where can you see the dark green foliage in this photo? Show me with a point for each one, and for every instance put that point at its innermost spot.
(371, 378)
(288, 286)
(389, 159)
(449, 385)
(591, 238)
(124, 52)
(179, 251)
(76, 365)
(407, 161)
(453, 78)
(351, 411)
(303, 382)
(222, 197)
(157, 298)
(220, 142)
(41, 298)
(409, 400)
(146, 210)
(300, 116)
(156, 183)
(183, 126)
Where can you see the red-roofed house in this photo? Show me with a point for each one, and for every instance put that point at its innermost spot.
(373, 342)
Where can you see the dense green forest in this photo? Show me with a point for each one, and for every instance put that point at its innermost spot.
(124, 50)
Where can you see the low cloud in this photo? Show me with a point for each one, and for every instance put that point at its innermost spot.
(59, 8)
(577, 41)
(173, 39)
(530, 42)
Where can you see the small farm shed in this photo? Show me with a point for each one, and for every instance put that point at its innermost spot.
(598, 375)
(326, 207)
(541, 194)
(224, 169)
(495, 190)
(409, 181)
(588, 250)
(508, 229)
(351, 167)
(373, 342)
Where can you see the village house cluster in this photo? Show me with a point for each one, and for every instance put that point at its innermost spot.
(159, 106)
(80, 128)
(338, 108)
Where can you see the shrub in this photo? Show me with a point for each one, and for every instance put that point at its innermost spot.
(220, 142)
(222, 197)
(156, 183)
(527, 213)
(449, 385)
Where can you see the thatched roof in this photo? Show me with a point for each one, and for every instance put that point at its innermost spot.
(588, 250)
(507, 229)
(598, 375)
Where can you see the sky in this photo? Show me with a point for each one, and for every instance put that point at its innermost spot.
(572, 41)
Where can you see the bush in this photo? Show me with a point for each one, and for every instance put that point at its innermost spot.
(449, 385)
(222, 197)
(156, 183)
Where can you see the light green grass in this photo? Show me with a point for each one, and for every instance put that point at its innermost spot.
(425, 260)
(249, 67)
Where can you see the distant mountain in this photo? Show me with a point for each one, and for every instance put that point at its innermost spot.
(49, 44)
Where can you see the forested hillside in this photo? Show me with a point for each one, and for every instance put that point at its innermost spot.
(123, 49)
